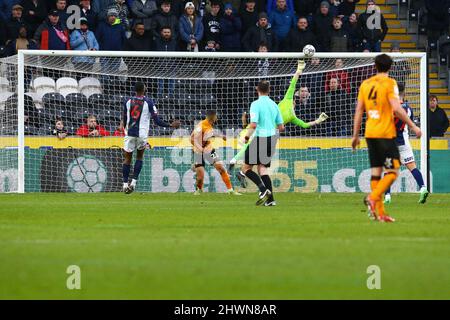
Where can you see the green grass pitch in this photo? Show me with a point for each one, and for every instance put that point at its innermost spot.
(216, 246)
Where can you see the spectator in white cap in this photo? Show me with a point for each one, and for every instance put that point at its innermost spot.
(191, 28)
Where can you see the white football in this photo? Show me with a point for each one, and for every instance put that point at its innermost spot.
(309, 51)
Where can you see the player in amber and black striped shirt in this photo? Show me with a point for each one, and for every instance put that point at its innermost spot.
(379, 97)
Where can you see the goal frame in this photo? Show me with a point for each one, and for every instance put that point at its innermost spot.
(423, 83)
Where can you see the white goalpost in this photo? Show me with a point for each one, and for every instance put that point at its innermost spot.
(39, 88)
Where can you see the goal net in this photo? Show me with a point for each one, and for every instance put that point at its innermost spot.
(60, 118)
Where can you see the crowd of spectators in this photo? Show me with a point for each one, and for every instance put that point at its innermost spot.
(215, 25)
(199, 25)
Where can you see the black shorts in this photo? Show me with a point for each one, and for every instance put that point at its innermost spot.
(383, 153)
(210, 157)
(261, 151)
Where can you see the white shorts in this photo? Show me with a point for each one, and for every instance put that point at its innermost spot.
(134, 143)
(406, 153)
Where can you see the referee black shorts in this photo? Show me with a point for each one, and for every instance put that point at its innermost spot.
(383, 153)
(260, 151)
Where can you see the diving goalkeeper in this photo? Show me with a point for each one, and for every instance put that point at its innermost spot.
(287, 109)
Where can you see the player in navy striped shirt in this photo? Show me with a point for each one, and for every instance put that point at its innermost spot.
(137, 112)
(406, 152)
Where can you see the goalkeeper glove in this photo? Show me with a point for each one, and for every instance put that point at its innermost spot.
(300, 66)
(323, 116)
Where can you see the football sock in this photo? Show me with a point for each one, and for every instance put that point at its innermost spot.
(126, 172)
(137, 169)
(133, 182)
(256, 180)
(268, 183)
(379, 205)
(226, 180)
(241, 173)
(374, 182)
(388, 191)
(383, 185)
(418, 176)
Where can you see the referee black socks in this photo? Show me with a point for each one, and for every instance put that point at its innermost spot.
(268, 183)
(256, 180)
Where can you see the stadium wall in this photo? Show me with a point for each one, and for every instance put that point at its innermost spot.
(167, 168)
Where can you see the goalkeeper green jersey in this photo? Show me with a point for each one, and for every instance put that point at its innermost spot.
(287, 107)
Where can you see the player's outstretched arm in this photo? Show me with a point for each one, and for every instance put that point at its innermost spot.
(158, 121)
(291, 90)
(305, 125)
(300, 67)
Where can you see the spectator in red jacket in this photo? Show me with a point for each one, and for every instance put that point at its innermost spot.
(51, 34)
(92, 129)
(120, 132)
(339, 74)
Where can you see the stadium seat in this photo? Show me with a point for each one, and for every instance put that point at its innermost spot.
(76, 106)
(3, 97)
(89, 86)
(37, 117)
(53, 101)
(76, 100)
(189, 100)
(66, 85)
(184, 115)
(37, 99)
(98, 101)
(209, 99)
(11, 108)
(443, 50)
(31, 130)
(117, 101)
(43, 85)
(54, 107)
(4, 85)
(422, 21)
(71, 127)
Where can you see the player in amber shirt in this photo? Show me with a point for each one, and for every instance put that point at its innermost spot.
(204, 150)
(379, 97)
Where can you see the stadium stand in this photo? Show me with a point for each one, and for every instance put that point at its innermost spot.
(412, 25)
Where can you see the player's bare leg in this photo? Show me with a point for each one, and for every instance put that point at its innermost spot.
(225, 177)
(199, 178)
(127, 156)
